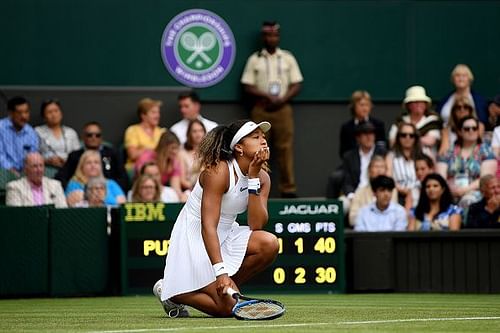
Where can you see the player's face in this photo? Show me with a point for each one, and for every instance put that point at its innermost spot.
(254, 142)
(91, 167)
(21, 115)
(53, 114)
(433, 189)
(190, 110)
(152, 116)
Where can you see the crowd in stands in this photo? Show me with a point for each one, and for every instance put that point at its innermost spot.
(435, 170)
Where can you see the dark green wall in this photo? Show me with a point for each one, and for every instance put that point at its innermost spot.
(381, 46)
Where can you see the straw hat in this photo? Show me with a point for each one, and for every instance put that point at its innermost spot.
(416, 94)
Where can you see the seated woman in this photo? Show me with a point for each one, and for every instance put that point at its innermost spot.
(146, 134)
(146, 189)
(166, 155)
(466, 161)
(401, 162)
(95, 193)
(461, 109)
(364, 195)
(56, 140)
(167, 194)
(424, 165)
(195, 133)
(435, 209)
(90, 166)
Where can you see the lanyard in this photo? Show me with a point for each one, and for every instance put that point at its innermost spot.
(268, 67)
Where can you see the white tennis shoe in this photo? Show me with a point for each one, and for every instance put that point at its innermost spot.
(172, 309)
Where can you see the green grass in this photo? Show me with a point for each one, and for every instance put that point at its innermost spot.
(305, 313)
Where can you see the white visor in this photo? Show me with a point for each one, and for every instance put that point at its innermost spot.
(248, 128)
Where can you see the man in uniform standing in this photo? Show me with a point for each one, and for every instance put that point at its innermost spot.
(272, 78)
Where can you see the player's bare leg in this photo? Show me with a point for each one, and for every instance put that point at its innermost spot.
(208, 301)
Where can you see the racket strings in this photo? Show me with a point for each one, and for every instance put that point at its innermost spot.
(259, 310)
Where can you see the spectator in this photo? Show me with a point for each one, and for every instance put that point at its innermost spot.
(401, 162)
(466, 161)
(188, 156)
(146, 134)
(435, 209)
(56, 140)
(151, 169)
(424, 165)
(462, 78)
(146, 189)
(95, 193)
(34, 189)
(364, 195)
(355, 162)
(361, 108)
(112, 165)
(428, 123)
(272, 78)
(461, 109)
(486, 213)
(382, 215)
(90, 166)
(493, 114)
(190, 107)
(17, 137)
(166, 156)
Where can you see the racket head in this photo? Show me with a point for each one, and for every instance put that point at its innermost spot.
(259, 309)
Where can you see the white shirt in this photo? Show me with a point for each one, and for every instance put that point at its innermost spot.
(180, 128)
(370, 218)
(365, 160)
(495, 141)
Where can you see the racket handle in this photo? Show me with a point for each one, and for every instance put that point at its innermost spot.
(231, 292)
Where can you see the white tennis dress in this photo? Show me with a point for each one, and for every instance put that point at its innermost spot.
(188, 267)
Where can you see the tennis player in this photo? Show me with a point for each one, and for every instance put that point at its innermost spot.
(208, 250)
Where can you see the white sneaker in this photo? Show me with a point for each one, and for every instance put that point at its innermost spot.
(172, 309)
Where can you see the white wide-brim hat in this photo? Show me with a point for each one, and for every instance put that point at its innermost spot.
(248, 128)
(416, 94)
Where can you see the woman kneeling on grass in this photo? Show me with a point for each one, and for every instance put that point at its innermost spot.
(208, 250)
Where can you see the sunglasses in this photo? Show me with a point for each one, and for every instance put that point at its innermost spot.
(462, 107)
(469, 128)
(407, 135)
(93, 134)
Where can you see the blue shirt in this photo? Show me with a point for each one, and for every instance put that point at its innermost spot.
(370, 218)
(14, 145)
(113, 190)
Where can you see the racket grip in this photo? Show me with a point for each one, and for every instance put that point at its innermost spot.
(231, 292)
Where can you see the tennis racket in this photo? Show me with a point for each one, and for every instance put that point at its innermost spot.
(254, 308)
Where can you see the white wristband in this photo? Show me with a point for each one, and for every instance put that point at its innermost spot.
(253, 183)
(219, 269)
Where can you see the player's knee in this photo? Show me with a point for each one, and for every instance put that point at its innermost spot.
(269, 245)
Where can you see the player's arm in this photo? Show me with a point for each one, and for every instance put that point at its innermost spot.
(257, 202)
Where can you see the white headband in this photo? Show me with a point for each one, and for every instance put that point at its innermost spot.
(248, 128)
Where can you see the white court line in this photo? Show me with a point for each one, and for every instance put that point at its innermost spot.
(389, 321)
(185, 328)
(413, 320)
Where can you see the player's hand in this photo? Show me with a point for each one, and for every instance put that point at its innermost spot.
(222, 283)
(260, 157)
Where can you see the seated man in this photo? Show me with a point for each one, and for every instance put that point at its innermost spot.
(190, 107)
(383, 214)
(17, 137)
(34, 189)
(112, 165)
(486, 213)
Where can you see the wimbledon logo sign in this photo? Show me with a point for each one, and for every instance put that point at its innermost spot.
(198, 48)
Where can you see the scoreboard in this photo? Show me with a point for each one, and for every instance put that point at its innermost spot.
(310, 235)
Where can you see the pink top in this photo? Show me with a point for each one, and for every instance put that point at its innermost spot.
(150, 155)
(37, 192)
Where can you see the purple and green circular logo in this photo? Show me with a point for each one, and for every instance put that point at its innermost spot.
(198, 48)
